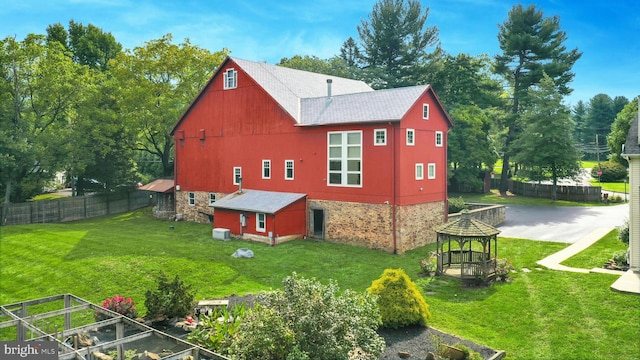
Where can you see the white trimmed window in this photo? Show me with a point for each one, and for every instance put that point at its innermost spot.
(380, 137)
(411, 137)
(439, 138)
(419, 171)
(212, 198)
(192, 199)
(261, 222)
(345, 158)
(425, 111)
(288, 169)
(237, 175)
(230, 79)
(266, 169)
(431, 171)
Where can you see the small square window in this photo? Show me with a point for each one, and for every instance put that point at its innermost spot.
(380, 137)
(439, 138)
(212, 198)
(266, 169)
(411, 137)
(288, 169)
(230, 79)
(192, 199)
(425, 111)
(261, 222)
(431, 171)
(419, 171)
(237, 175)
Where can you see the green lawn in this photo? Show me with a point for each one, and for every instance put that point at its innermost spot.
(494, 197)
(597, 254)
(541, 314)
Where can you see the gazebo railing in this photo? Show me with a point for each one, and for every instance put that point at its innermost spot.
(463, 256)
(480, 269)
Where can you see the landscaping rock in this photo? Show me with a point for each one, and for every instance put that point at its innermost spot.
(243, 253)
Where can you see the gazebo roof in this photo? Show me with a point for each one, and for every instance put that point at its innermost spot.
(465, 226)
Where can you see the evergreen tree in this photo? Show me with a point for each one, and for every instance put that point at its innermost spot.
(546, 147)
(532, 45)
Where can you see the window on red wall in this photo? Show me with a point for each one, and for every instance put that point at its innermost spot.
(439, 138)
(266, 169)
(237, 175)
(230, 79)
(261, 222)
(288, 169)
(345, 158)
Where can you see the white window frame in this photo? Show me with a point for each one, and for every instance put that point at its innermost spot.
(237, 175)
(431, 171)
(212, 198)
(343, 159)
(425, 111)
(230, 79)
(266, 169)
(289, 165)
(419, 171)
(261, 218)
(383, 133)
(411, 140)
(192, 198)
(439, 138)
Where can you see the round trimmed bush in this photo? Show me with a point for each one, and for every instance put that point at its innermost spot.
(611, 171)
(399, 300)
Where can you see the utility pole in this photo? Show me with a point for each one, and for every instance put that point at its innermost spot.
(598, 152)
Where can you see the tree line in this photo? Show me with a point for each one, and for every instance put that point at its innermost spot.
(73, 100)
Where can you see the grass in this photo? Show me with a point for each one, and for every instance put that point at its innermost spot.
(541, 314)
(621, 187)
(597, 254)
(47, 196)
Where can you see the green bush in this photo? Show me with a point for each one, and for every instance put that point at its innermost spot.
(503, 269)
(324, 323)
(456, 205)
(399, 300)
(611, 171)
(217, 331)
(469, 354)
(171, 299)
(623, 232)
(620, 258)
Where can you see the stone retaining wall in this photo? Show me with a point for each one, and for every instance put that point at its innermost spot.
(491, 214)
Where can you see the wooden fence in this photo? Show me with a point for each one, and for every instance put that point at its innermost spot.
(75, 208)
(563, 192)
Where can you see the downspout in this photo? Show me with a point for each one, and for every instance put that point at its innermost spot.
(393, 190)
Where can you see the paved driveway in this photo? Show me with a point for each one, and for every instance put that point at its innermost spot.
(560, 223)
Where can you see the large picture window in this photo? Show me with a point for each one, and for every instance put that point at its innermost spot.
(345, 158)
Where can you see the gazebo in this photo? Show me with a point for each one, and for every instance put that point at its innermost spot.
(467, 248)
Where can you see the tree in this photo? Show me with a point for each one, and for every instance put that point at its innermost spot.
(334, 66)
(619, 131)
(579, 118)
(42, 87)
(89, 44)
(158, 81)
(599, 119)
(394, 43)
(470, 150)
(546, 145)
(532, 46)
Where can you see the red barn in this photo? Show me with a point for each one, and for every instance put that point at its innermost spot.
(349, 164)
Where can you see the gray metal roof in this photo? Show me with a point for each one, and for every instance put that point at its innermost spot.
(288, 86)
(379, 105)
(632, 147)
(259, 201)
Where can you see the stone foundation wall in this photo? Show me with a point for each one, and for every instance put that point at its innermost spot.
(367, 225)
(370, 225)
(200, 211)
(415, 224)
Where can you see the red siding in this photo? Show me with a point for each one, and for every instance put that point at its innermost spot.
(289, 221)
(244, 126)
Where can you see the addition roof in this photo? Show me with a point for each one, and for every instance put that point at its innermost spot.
(159, 186)
(632, 147)
(259, 201)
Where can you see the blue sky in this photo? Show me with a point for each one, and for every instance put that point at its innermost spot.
(607, 32)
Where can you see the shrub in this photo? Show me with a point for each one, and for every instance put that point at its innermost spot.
(503, 269)
(456, 205)
(121, 305)
(324, 322)
(611, 171)
(399, 300)
(469, 354)
(623, 232)
(429, 266)
(620, 258)
(171, 299)
(217, 332)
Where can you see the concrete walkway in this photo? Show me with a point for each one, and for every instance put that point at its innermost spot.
(628, 282)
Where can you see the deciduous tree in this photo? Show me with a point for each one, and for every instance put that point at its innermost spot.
(619, 132)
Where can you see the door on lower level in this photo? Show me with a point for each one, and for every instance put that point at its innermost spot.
(316, 223)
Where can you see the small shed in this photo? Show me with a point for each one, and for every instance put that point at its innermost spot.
(162, 190)
(467, 249)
